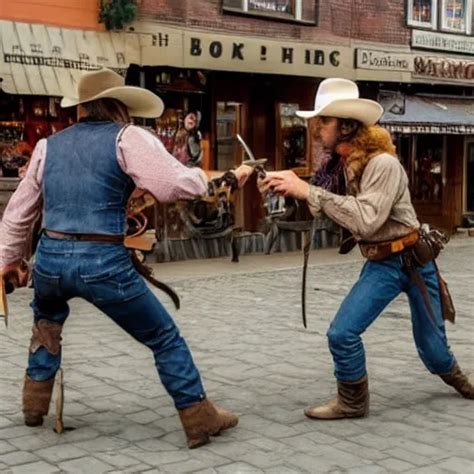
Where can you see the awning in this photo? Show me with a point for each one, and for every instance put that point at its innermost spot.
(427, 114)
(46, 60)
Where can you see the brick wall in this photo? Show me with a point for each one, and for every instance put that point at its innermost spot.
(381, 21)
(338, 20)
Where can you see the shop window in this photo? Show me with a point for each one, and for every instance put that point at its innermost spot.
(291, 138)
(292, 10)
(422, 13)
(456, 15)
(228, 124)
(470, 178)
(428, 166)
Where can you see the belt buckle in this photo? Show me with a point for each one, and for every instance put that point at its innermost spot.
(397, 246)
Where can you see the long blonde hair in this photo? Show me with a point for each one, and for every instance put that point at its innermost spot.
(368, 142)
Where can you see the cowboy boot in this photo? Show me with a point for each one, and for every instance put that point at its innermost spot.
(203, 420)
(352, 402)
(457, 379)
(36, 400)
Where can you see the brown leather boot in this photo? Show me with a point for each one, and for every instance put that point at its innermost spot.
(352, 402)
(457, 379)
(36, 399)
(203, 420)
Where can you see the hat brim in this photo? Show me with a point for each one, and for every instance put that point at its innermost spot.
(140, 102)
(365, 110)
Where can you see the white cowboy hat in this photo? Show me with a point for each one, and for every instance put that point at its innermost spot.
(106, 83)
(340, 98)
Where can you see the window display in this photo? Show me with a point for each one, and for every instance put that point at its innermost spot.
(422, 13)
(455, 15)
(228, 124)
(428, 168)
(470, 178)
(291, 133)
(289, 10)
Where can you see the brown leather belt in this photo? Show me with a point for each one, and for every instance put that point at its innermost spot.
(381, 250)
(116, 239)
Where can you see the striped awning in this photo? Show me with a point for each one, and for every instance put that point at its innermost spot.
(427, 114)
(46, 60)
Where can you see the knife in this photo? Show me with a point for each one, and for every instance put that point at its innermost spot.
(3, 301)
(251, 161)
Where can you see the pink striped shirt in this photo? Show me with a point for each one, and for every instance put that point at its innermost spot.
(140, 154)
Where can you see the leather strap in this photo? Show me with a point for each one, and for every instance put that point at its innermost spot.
(381, 250)
(3, 301)
(308, 237)
(420, 283)
(147, 273)
(54, 234)
(59, 402)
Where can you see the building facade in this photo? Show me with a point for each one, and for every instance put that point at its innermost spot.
(245, 66)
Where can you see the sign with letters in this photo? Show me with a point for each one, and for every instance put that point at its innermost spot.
(384, 60)
(443, 42)
(195, 49)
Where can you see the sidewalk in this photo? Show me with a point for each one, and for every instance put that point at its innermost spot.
(254, 263)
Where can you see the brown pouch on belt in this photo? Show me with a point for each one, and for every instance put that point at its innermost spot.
(428, 246)
(447, 306)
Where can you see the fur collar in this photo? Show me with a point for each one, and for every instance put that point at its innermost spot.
(368, 143)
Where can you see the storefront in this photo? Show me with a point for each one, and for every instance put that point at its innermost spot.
(38, 65)
(434, 137)
(428, 98)
(246, 86)
(23, 121)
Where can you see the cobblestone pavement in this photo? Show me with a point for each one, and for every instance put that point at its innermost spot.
(257, 359)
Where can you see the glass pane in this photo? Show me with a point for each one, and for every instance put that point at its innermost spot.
(233, 4)
(272, 6)
(428, 168)
(293, 134)
(228, 125)
(470, 178)
(454, 14)
(422, 11)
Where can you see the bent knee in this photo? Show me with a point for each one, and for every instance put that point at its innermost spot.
(159, 337)
(340, 337)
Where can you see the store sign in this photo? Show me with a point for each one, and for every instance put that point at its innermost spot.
(265, 56)
(443, 42)
(383, 60)
(444, 68)
(237, 53)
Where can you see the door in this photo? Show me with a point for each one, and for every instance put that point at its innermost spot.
(469, 178)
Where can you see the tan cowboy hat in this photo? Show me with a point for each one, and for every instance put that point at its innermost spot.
(106, 83)
(340, 98)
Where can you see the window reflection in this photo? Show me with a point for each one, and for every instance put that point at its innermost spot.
(428, 168)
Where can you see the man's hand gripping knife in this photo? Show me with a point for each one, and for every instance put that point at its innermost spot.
(14, 275)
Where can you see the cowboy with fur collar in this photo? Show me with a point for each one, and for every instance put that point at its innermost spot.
(379, 213)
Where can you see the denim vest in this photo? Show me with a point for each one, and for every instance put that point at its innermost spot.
(84, 188)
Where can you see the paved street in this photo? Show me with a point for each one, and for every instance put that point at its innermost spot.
(243, 323)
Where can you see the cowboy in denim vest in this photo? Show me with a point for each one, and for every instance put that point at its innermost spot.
(379, 213)
(81, 178)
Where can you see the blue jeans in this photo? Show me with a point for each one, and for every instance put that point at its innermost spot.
(379, 283)
(103, 274)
